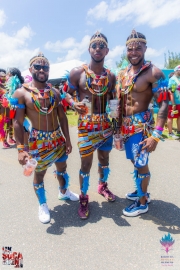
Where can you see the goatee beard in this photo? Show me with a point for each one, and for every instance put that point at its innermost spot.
(141, 60)
(37, 80)
(97, 61)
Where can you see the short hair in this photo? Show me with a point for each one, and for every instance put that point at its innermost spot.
(16, 72)
(2, 70)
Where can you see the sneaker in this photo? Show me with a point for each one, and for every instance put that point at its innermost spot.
(104, 191)
(11, 141)
(133, 196)
(44, 215)
(135, 209)
(6, 145)
(83, 210)
(173, 136)
(69, 195)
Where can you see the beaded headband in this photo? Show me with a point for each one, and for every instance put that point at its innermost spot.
(98, 37)
(40, 56)
(135, 38)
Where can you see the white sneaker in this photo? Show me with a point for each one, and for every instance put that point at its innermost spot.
(173, 136)
(69, 195)
(44, 215)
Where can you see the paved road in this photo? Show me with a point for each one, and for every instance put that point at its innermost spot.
(107, 240)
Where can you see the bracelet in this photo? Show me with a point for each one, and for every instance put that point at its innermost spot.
(20, 148)
(72, 104)
(156, 139)
(159, 132)
(159, 128)
(156, 134)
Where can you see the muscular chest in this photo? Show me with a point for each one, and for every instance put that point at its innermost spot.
(90, 86)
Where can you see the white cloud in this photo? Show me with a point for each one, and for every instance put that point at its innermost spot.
(150, 52)
(69, 47)
(2, 17)
(114, 55)
(60, 46)
(153, 13)
(99, 11)
(14, 49)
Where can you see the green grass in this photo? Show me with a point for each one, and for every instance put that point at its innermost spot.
(72, 118)
(165, 134)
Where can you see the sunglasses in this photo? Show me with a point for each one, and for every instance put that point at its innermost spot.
(39, 67)
(100, 46)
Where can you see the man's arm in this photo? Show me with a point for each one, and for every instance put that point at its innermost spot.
(73, 85)
(18, 125)
(160, 91)
(64, 126)
(19, 117)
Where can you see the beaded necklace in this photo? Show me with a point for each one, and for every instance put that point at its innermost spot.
(100, 81)
(44, 94)
(131, 79)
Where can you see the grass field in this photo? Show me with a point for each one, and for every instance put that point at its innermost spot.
(73, 119)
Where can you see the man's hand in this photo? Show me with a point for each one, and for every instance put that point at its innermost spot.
(68, 147)
(80, 108)
(23, 157)
(150, 144)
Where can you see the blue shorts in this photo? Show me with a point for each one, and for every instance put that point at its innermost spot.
(133, 148)
(63, 158)
(107, 146)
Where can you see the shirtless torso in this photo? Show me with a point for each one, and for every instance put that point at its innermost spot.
(78, 79)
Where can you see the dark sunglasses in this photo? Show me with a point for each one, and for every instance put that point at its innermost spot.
(100, 46)
(39, 67)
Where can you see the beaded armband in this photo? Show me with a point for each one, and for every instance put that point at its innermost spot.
(161, 89)
(71, 85)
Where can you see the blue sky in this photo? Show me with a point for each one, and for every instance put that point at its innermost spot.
(61, 29)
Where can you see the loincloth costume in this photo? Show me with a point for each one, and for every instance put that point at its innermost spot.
(94, 132)
(47, 148)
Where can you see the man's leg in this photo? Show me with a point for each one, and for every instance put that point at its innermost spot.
(141, 177)
(63, 179)
(11, 133)
(170, 124)
(103, 157)
(178, 126)
(84, 174)
(134, 195)
(38, 183)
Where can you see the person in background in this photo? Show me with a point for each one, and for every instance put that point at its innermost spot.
(174, 104)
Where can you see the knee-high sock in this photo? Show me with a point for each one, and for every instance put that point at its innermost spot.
(65, 177)
(139, 180)
(85, 184)
(40, 191)
(106, 171)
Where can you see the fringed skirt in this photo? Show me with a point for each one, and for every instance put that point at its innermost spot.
(46, 147)
(94, 132)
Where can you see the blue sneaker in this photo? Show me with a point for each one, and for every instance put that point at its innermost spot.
(135, 209)
(133, 196)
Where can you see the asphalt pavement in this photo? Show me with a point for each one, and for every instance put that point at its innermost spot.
(107, 240)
